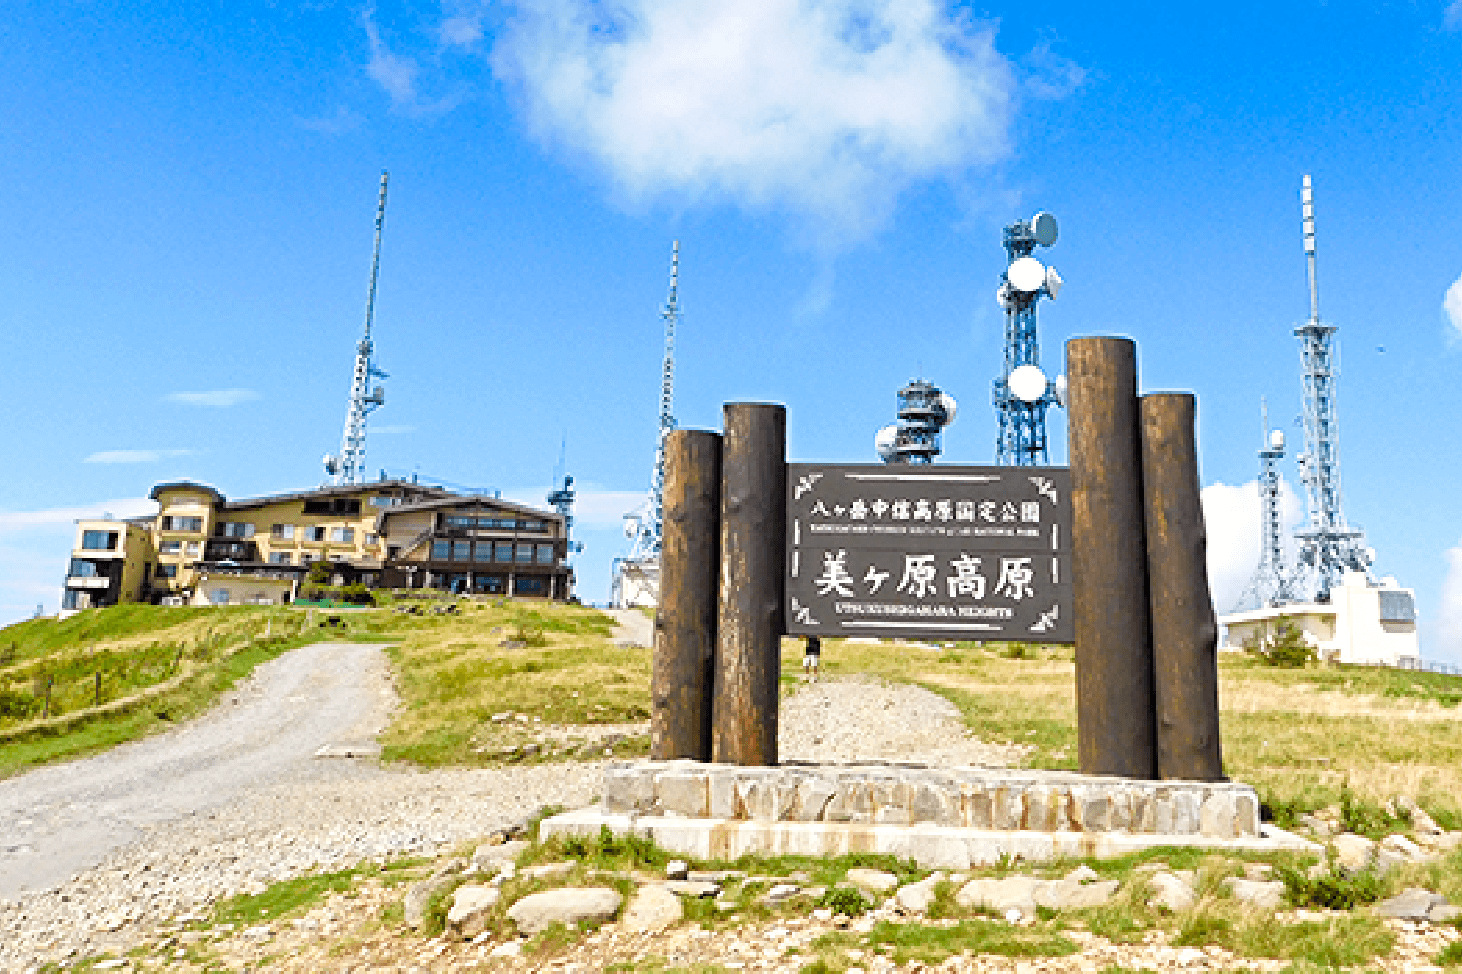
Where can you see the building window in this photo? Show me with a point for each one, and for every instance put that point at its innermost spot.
(279, 558)
(489, 584)
(504, 551)
(461, 550)
(482, 551)
(532, 526)
(545, 554)
(167, 571)
(174, 523)
(171, 547)
(528, 585)
(282, 531)
(306, 557)
(83, 569)
(314, 534)
(233, 529)
(525, 554)
(372, 540)
(384, 501)
(218, 596)
(342, 535)
(72, 599)
(192, 549)
(441, 550)
(338, 505)
(99, 540)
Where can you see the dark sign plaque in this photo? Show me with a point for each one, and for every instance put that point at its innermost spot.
(929, 552)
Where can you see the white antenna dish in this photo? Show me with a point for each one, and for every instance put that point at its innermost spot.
(1276, 440)
(950, 406)
(1043, 228)
(1028, 383)
(1002, 296)
(1026, 274)
(1061, 391)
(884, 439)
(1053, 282)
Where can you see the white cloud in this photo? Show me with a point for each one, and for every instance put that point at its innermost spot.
(215, 397)
(824, 109)
(1452, 302)
(123, 507)
(1452, 17)
(134, 456)
(1448, 629)
(401, 75)
(1231, 520)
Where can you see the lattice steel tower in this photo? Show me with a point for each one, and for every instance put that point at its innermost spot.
(1328, 546)
(923, 413)
(1270, 584)
(1022, 393)
(648, 530)
(348, 466)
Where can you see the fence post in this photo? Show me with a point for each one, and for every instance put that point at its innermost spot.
(749, 623)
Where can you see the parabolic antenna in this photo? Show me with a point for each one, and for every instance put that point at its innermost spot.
(1043, 228)
(1061, 391)
(1028, 383)
(947, 401)
(1053, 282)
(1002, 296)
(1026, 274)
(884, 439)
(1276, 440)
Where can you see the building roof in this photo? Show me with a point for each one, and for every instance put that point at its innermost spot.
(186, 485)
(496, 503)
(341, 490)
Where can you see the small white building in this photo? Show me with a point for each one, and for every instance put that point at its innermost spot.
(1364, 622)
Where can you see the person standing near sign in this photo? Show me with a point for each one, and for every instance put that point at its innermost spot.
(812, 658)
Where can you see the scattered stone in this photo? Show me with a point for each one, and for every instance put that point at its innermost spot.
(1401, 846)
(1265, 895)
(1354, 853)
(1083, 874)
(873, 880)
(781, 893)
(1412, 903)
(1013, 892)
(693, 889)
(1443, 912)
(714, 875)
(918, 897)
(1066, 894)
(470, 908)
(551, 870)
(677, 869)
(571, 904)
(419, 895)
(650, 910)
(510, 949)
(1258, 871)
(491, 857)
(1170, 892)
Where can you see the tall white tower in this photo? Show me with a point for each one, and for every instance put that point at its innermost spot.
(348, 466)
(1270, 584)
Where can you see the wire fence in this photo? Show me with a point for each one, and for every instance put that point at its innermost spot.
(1413, 663)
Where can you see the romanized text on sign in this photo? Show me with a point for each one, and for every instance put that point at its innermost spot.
(929, 552)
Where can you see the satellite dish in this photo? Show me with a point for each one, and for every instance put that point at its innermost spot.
(1028, 383)
(1053, 282)
(1043, 228)
(1061, 391)
(947, 401)
(884, 439)
(1026, 274)
(1276, 440)
(1002, 296)
(631, 526)
(332, 464)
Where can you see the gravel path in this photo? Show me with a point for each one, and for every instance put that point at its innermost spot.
(94, 852)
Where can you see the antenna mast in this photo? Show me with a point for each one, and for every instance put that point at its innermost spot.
(1022, 394)
(1328, 546)
(348, 466)
(1270, 585)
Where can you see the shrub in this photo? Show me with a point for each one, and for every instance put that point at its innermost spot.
(1335, 890)
(17, 703)
(1286, 647)
(845, 900)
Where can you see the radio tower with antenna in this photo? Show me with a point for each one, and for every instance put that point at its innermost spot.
(348, 466)
(637, 576)
(1328, 546)
(1270, 584)
(1022, 394)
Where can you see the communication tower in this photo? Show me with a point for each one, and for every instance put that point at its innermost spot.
(637, 576)
(1328, 546)
(348, 466)
(1270, 584)
(1022, 393)
(562, 501)
(923, 412)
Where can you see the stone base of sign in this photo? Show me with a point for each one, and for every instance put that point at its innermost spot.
(931, 846)
(998, 799)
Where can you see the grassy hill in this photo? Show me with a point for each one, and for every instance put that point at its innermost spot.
(505, 681)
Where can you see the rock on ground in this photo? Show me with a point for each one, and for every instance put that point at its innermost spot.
(652, 909)
(535, 912)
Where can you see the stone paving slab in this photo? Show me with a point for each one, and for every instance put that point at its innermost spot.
(931, 846)
(990, 799)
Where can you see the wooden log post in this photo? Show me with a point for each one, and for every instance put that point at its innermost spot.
(1114, 675)
(685, 622)
(749, 623)
(1184, 630)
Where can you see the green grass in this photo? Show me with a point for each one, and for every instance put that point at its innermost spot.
(283, 899)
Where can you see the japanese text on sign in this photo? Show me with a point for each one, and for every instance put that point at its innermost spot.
(929, 552)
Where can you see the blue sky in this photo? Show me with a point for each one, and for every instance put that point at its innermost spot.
(189, 190)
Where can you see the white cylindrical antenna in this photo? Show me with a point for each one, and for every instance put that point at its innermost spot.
(1307, 201)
